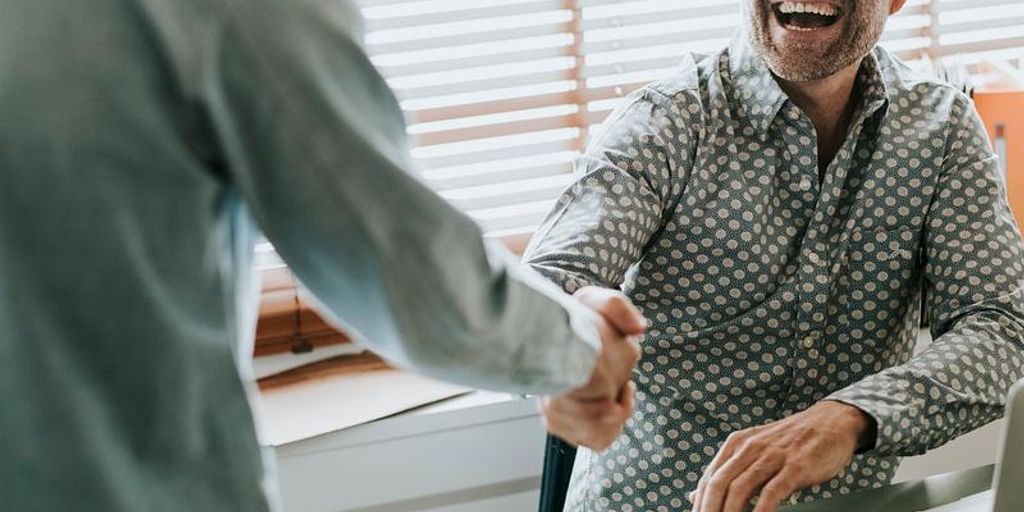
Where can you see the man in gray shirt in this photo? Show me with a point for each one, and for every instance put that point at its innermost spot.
(141, 144)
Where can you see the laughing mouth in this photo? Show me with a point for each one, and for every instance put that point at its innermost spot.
(806, 16)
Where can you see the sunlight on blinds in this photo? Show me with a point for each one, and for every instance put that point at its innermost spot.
(492, 93)
(980, 26)
(501, 94)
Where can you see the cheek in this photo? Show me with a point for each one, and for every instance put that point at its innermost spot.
(876, 15)
(756, 10)
(868, 22)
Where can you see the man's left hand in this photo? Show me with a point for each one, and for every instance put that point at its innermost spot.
(775, 460)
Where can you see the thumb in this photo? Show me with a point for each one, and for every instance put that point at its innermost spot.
(615, 308)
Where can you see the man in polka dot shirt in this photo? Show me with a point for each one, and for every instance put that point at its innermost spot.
(776, 210)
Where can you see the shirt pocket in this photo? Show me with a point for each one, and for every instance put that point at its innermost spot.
(875, 280)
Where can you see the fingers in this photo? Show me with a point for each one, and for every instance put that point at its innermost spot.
(627, 400)
(776, 490)
(616, 362)
(777, 459)
(720, 481)
(615, 307)
(747, 484)
(616, 418)
(617, 321)
(626, 403)
(731, 445)
(593, 424)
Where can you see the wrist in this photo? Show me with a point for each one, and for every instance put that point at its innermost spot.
(860, 426)
(597, 387)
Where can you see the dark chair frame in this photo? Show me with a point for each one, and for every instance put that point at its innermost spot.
(559, 457)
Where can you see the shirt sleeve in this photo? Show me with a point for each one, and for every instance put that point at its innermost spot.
(627, 181)
(974, 278)
(315, 143)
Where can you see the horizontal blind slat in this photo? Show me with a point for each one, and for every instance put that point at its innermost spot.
(563, 142)
(981, 46)
(508, 193)
(518, 216)
(947, 6)
(416, 65)
(470, 12)
(560, 163)
(494, 130)
(470, 108)
(682, 15)
(451, 30)
(442, 40)
(984, 24)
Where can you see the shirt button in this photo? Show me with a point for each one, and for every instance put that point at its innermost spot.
(805, 184)
(814, 258)
(809, 342)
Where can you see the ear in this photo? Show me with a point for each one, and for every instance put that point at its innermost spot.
(896, 5)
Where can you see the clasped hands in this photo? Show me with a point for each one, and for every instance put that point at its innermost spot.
(594, 415)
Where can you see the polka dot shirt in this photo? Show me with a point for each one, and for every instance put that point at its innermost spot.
(770, 288)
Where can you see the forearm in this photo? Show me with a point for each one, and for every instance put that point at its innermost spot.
(955, 385)
(512, 328)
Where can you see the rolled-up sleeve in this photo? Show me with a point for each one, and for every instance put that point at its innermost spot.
(315, 143)
(974, 277)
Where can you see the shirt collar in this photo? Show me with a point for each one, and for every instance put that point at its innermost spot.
(755, 94)
(758, 98)
(873, 83)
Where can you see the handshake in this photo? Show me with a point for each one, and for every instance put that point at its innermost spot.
(594, 415)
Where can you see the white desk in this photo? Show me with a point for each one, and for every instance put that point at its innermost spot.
(480, 452)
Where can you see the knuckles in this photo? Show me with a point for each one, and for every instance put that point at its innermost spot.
(736, 438)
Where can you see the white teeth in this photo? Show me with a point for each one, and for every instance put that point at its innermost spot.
(821, 9)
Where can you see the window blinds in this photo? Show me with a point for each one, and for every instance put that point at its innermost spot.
(501, 94)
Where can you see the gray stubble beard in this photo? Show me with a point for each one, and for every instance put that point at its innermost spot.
(865, 20)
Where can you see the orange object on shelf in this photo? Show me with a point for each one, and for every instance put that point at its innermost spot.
(1003, 113)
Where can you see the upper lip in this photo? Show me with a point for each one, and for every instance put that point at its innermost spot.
(837, 5)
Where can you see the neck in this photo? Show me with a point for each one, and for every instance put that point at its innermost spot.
(829, 105)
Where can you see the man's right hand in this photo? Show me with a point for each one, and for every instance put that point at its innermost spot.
(594, 415)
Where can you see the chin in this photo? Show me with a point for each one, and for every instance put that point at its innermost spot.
(795, 66)
(813, 40)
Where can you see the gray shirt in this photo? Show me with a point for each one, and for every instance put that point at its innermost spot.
(771, 289)
(141, 144)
